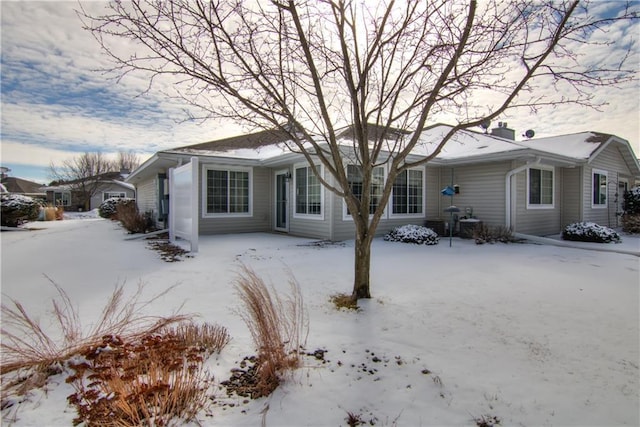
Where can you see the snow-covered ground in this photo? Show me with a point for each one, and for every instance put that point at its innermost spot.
(534, 335)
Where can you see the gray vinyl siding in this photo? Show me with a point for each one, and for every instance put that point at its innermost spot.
(259, 221)
(317, 227)
(482, 188)
(98, 197)
(571, 196)
(147, 196)
(609, 160)
(539, 222)
(314, 227)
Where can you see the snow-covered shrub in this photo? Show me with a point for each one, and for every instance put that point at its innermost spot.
(631, 201)
(109, 207)
(590, 232)
(16, 209)
(413, 234)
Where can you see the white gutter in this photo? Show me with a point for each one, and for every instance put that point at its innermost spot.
(507, 187)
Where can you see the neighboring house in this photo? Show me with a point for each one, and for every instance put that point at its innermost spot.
(14, 185)
(106, 186)
(253, 183)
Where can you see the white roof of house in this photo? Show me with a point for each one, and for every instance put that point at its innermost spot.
(578, 145)
(464, 146)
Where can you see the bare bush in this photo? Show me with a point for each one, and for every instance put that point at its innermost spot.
(631, 223)
(486, 234)
(155, 380)
(26, 345)
(277, 325)
(132, 220)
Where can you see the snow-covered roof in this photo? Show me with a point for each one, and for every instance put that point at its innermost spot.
(255, 146)
(464, 146)
(578, 145)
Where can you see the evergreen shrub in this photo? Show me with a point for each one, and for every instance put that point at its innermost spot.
(109, 208)
(590, 232)
(16, 209)
(411, 233)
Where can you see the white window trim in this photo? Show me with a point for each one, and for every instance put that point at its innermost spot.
(345, 214)
(606, 175)
(68, 193)
(553, 188)
(424, 199)
(206, 214)
(122, 193)
(315, 217)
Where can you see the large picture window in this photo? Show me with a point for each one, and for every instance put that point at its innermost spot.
(540, 188)
(62, 198)
(227, 191)
(308, 192)
(599, 186)
(408, 193)
(354, 176)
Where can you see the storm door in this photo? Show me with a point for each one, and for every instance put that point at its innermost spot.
(282, 200)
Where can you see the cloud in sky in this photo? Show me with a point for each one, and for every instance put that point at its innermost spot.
(55, 104)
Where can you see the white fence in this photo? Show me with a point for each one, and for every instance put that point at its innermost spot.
(183, 203)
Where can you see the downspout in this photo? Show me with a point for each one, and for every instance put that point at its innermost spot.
(507, 187)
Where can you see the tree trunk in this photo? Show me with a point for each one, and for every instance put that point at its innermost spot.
(362, 264)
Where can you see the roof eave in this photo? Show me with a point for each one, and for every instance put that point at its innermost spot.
(628, 155)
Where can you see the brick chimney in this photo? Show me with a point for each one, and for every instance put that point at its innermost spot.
(502, 131)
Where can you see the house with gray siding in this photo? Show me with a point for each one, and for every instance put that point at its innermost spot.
(71, 196)
(254, 183)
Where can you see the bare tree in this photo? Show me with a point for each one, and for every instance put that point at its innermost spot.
(126, 161)
(386, 69)
(82, 174)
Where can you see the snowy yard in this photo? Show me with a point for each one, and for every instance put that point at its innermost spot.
(526, 334)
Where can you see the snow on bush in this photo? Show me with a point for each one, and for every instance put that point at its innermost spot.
(413, 234)
(16, 209)
(590, 232)
(109, 207)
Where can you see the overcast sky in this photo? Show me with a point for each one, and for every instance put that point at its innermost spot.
(56, 105)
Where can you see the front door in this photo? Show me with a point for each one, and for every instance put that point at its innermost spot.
(282, 201)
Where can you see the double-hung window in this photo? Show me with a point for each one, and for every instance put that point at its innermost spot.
(540, 188)
(308, 192)
(599, 186)
(354, 176)
(227, 192)
(407, 197)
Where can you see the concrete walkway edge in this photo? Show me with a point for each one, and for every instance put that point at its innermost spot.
(601, 247)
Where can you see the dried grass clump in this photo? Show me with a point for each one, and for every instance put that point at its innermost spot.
(207, 337)
(155, 380)
(345, 301)
(27, 346)
(277, 325)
